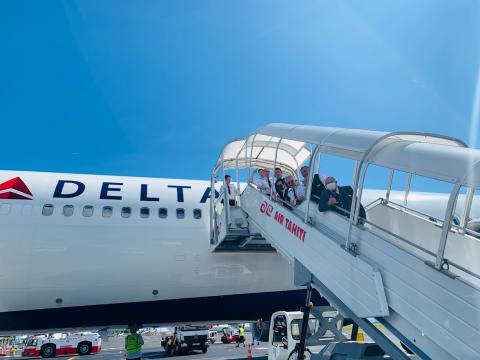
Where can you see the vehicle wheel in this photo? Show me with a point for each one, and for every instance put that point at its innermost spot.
(204, 350)
(84, 348)
(48, 351)
(294, 354)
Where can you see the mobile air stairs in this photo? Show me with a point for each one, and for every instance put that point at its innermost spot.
(416, 274)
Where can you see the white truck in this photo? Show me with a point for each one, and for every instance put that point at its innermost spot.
(188, 338)
(324, 337)
(49, 346)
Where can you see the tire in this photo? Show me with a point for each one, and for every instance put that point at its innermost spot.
(48, 351)
(84, 348)
(204, 350)
(294, 355)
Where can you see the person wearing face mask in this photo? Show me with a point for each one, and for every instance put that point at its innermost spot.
(338, 199)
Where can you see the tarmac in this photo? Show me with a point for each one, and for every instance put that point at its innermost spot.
(114, 350)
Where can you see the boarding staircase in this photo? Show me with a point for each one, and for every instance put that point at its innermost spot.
(417, 275)
(434, 313)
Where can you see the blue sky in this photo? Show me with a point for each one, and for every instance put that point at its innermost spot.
(155, 88)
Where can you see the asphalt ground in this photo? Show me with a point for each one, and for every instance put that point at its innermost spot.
(113, 350)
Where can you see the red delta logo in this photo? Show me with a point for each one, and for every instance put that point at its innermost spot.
(15, 189)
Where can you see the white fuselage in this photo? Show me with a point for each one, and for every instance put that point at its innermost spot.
(85, 242)
(102, 260)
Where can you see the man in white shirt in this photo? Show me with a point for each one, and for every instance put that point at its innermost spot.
(263, 183)
(231, 190)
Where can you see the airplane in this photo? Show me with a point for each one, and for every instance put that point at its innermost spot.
(93, 251)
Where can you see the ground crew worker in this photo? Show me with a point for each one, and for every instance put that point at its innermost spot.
(133, 345)
(241, 336)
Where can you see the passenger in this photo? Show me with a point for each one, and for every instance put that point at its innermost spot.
(278, 173)
(281, 189)
(317, 185)
(231, 190)
(263, 183)
(279, 183)
(133, 345)
(338, 199)
(291, 193)
(300, 190)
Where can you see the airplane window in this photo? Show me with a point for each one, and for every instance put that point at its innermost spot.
(162, 213)
(107, 211)
(144, 212)
(197, 213)
(126, 212)
(27, 210)
(180, 213)
(47, 210)
(68, 210)
(88, 211)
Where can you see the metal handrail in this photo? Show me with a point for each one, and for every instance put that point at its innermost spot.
(413, 211)
(366, 221)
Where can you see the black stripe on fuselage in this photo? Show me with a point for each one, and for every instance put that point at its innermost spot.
(228, 307)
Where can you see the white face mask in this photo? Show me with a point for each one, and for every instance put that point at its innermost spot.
(331, 186)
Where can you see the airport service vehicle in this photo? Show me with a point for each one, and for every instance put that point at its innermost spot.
(212, 336)
(63, 344)
(324, 337)
(190, 338)
(228, 335)
(285, 331)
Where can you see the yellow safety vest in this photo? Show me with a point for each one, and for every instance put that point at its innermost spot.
(133, 344)
(241, 331)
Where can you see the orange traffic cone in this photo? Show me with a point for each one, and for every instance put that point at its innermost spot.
(249, 353)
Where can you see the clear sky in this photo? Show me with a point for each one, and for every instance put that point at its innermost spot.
(155, 88)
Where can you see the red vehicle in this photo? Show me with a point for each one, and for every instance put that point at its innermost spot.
(62, 344)
(227, 337)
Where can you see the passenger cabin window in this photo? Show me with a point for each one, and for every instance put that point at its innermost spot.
(180, 213)
(47, 210)
(197, 213)
(126, 212)
(144, 212)
(107, 211)
(68, 210)
(87, 211)
(162, 213)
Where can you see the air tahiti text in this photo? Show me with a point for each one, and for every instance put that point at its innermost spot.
(283, 220)
(66, 189)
